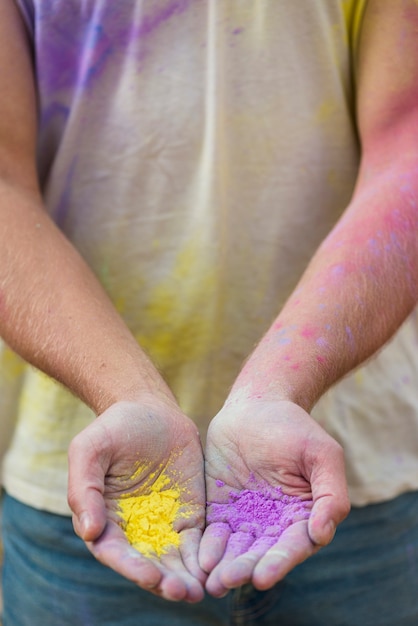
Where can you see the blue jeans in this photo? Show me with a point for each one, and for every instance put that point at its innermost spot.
(368, 576)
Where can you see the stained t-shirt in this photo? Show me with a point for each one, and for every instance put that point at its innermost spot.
(196, 153)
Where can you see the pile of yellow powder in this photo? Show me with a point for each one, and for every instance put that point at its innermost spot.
(148, 520)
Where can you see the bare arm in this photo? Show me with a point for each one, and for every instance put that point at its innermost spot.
(356, 292)
(54, 313)
(363, 281)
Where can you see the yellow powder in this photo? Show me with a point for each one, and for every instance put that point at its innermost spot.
(149, 519)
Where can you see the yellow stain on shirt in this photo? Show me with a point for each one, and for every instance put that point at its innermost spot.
(120, 304)
(11, 365)
(353, 11)
(178, 317)
(359, 377)
(325, 111)
(42, 399)
(38, 391)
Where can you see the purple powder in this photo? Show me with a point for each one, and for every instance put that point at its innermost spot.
(257, 514)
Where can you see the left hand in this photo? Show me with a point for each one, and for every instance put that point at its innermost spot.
(156, 437)
(265, 445)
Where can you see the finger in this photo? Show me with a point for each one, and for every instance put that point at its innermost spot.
(166, 577)
(238, 544)
(189, 549)
(213, 545)
(85, 491)
(321, 526)
(239, 571)
(89, 519)
(331, 503)
(292, 548)
(177, 582)
(89, 513)
(113, 550)
(172, 587)
(327, 512)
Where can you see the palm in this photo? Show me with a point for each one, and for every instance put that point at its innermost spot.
(131, 451)
(270, 449)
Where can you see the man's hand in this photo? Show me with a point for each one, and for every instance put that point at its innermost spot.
(268, 447)
(123, 453)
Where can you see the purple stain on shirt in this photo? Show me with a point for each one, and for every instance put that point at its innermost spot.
(78, 39)
(60, 211)
(71, 31)
(56, 111)
(152, 21)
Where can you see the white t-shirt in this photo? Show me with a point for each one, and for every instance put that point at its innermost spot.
(196, 153)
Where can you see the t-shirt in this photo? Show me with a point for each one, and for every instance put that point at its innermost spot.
(196, 153)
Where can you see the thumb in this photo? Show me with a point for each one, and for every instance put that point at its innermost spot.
(331, 503)
(85, 488)
(89, 514)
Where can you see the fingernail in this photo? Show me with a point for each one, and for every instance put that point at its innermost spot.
(330, 529)
(84, 522)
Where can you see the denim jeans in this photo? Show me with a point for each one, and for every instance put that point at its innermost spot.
(368, 576)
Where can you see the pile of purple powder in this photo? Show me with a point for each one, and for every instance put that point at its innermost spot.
(258, 513)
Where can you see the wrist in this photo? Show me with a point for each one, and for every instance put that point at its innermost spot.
(131, 377)
(277, 379)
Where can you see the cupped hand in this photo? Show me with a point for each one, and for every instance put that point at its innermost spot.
(276, 491)
(130, 450)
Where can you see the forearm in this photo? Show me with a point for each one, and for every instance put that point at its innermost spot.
(356, 292)
(55, 314)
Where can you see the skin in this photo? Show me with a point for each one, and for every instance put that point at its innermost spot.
(279, 444)
(365, 270)
(103, 458)
(357, 290)
(86, 346)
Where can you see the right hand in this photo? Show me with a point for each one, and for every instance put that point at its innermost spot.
(276, 444)
(103, 467)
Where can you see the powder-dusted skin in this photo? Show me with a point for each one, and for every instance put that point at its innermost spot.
(148, 520)
(253, 514)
